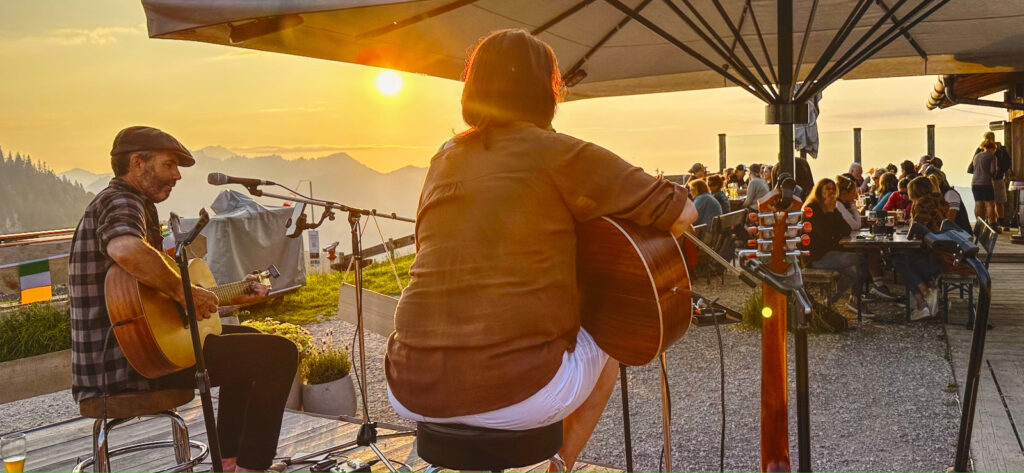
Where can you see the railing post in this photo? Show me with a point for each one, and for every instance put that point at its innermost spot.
(721, 152)
(856, 145)
(931, 140)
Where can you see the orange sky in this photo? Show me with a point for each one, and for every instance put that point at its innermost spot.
(77, 71)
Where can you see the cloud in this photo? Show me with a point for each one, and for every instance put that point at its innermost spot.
(318, 148)
(291, 109)
(96, 36)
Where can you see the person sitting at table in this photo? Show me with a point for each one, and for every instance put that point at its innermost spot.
(804, 178)
(935, 163)
(707, 206)
(886, 187)
(715, 183)
(766, 174)
(919, 267)
(738, 175)
(847, 207)
(857, 171)
(756, 189)
(697, 171)
(957, 210)
(899, 200)
(828, 227)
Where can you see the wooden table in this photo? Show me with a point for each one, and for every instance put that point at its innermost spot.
(736, 203)
(863, 240)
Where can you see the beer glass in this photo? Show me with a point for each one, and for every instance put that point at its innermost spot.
(13, 449)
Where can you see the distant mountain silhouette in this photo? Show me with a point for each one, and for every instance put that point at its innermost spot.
(337, 177)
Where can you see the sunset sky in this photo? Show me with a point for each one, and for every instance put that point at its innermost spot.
(77, 71)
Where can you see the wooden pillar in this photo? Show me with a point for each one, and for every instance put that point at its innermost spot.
(931, 140)
(721, 152)
(856, 146)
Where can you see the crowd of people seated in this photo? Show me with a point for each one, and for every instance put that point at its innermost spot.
(920, 192)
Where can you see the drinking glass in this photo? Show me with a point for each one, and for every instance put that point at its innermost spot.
(13, 449)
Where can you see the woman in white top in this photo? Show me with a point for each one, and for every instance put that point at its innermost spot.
(847, 206)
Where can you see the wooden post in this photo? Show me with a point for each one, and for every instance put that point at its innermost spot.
(931, 140)
(721, 152)
(856, 145)
(391, 248)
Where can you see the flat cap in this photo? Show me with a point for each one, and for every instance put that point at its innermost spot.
(144, 138)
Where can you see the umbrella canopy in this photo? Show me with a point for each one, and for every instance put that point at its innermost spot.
(621, 47)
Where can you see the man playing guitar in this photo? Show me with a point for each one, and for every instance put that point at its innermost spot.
(120, 227)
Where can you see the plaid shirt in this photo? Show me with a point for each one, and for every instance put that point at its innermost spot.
(117, 210)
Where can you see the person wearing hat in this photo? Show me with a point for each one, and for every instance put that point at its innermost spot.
(697, 171)
(121, 227)
(738, 175)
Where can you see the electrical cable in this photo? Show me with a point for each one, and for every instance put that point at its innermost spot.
(668, 400)
(721, 364)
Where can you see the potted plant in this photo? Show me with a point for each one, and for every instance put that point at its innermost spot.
(303, 341)
(328, 387)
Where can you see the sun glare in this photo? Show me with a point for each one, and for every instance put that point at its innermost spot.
(389, 82)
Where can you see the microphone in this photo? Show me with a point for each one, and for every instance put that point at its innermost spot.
(219, 179)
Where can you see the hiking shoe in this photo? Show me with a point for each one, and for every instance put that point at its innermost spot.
(883, 292)
(865, 313)
(920, 314)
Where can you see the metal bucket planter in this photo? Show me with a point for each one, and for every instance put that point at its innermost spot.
(333, 398)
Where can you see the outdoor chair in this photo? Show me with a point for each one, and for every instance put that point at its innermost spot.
(703, 264)
(122, 408)
(986, 238)
(824, 280)
(466, 448)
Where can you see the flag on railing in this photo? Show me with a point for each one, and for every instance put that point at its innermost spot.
(35, 281)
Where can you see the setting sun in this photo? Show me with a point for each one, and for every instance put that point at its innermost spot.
(389, 82)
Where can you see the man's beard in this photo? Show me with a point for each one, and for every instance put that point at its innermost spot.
(154, 186)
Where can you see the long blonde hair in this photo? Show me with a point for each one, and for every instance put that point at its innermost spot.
(989, 141)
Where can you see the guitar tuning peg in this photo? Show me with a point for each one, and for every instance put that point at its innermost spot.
(806, 240)
(752, 216)
(752, 230)
(805, 253)
(751, 243)
(808, 212)
(807, 226)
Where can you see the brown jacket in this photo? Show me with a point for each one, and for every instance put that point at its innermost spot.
(493, 303)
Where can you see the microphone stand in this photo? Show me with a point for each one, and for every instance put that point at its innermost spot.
(367, 436)
(181, 240)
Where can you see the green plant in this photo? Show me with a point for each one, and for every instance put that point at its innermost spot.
(751, 311)
(35, 329)
(951, 388)
(325, 364)
(299, 336)
(318, 299)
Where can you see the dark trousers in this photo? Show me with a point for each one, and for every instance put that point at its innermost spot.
(255, 372)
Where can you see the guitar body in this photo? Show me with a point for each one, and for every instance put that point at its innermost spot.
(154, 339)
(634, 288)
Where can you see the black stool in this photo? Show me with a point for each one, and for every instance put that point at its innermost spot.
(466, 448)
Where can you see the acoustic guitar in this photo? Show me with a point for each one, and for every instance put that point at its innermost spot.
(154, 334)
(634, 288)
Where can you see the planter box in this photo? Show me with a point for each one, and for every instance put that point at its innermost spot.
(334, 398)
(32, 376)
(378, 309)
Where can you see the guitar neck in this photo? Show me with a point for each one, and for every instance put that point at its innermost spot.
(230, 291)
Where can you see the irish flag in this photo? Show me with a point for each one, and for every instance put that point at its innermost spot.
(35, 281)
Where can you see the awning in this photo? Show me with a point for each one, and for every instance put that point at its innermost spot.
(620, 47)
(968, 89)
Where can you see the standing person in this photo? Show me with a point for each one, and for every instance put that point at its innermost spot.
(756, 189)
(715, 182)
(499, 345)
(828, 227)
(121, 227)
(984, 166)
(707, 206)
(1003, 164)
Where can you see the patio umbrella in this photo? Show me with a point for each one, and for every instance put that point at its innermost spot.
(623, 47)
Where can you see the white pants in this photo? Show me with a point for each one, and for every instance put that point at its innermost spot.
(566, 391)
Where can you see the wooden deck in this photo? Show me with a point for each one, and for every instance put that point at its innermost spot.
(999, 420)
(59, 447)
(1007, 252)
